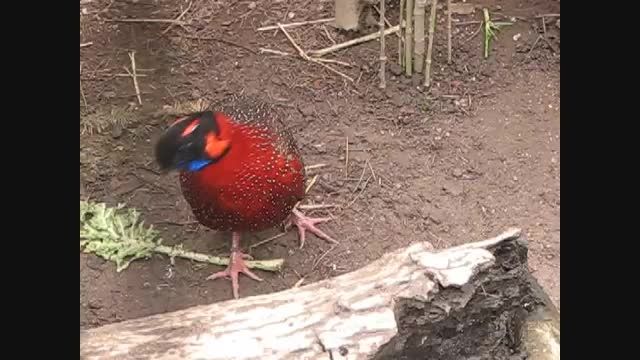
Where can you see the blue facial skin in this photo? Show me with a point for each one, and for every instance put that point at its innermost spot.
(196, 165)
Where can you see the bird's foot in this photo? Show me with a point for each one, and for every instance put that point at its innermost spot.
(236, 266)
(305, 223)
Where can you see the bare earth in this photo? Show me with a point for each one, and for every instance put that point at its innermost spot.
(476, 154)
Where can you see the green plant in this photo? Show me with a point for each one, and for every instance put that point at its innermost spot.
(117, 234)
(490, 29)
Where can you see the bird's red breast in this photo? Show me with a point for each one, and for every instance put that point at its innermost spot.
(256, 184)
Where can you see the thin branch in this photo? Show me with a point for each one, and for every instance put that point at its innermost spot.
(408, 40)
(474, 34)
(178, 18)
(315, 166)
(134, 75)
(432, 28)
(383, 56)
(84, 98)
(449, 31)
(165, 21)
(547, 15)
(300, 51)
(386, 21)
(418, 35)
(326, 32)
(276, 27)
(346, 158)
(86, 44)
(400, 40)
(277, 236)
(304, 55)
(317, 206)
(275, 52)
(352, 42)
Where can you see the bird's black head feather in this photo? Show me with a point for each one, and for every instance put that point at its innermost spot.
(182, 145)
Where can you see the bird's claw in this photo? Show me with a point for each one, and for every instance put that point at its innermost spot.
(305, 223)
(236, 266)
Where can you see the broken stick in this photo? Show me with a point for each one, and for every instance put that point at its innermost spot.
(449, 31)
(383, 56)
(352, 42)
(134, 75)
(432, 28)
(418, 34)
(304, 55)
(408, 41)
(276, 27)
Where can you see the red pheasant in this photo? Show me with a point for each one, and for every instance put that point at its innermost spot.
(240, 170)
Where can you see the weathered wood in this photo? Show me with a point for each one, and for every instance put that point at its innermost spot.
(415, 303)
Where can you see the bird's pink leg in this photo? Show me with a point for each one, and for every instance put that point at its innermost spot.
(305, 223)
(236, 266)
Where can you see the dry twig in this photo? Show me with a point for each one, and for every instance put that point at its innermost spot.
(86, 44)
(402, 26)
(326, 32)
(408, 41)
(134, 75)
(167, 21)
(387, 21)
(432, 28)
(418, 35)
(346, 158)
(283, 53)
(178, 18)
(383, 56)
(352, 42)
(315, 166)
(304, 55)
(547, 15)
(267, 240)
(84, 99)
(317, 206)
(276, 27)
(449, 31)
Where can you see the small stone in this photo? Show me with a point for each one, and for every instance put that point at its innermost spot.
(343, 350)
(453, 188)
(397, 100)
(457, 172)
(116, 131)
(252, 5)
(517, 36)
(437, 215)
(109, 94)
(94, 304)
(291, 15)
(306, 110)
(426, 210)
(395, 69)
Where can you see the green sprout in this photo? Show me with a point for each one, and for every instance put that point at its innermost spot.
(117, 234)
(490, 29)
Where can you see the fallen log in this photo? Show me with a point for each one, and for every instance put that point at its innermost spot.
(475, 301)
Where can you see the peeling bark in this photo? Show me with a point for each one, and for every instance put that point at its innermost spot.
(469, 302)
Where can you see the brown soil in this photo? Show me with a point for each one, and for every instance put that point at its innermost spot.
(476, 154)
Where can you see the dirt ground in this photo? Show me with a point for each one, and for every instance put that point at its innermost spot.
(477, 153)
